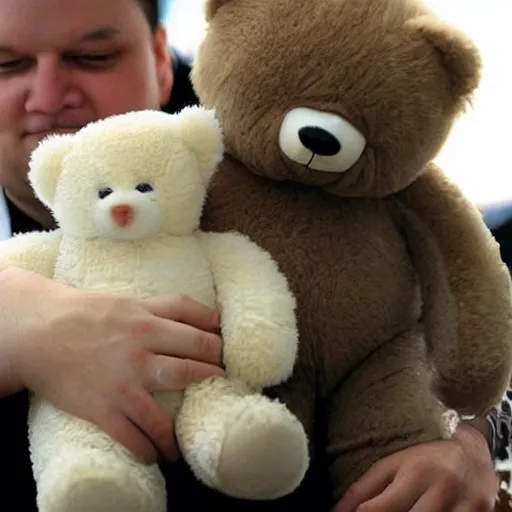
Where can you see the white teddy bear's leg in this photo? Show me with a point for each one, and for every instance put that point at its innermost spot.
(78, 468)
(240, 442)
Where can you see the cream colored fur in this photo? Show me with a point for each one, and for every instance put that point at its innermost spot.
(235, 439)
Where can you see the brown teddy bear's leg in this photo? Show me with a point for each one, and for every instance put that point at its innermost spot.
(384, 406)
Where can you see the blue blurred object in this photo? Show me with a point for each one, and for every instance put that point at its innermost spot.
(497, 215)
(165, 7)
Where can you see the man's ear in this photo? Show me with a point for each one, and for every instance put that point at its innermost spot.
(202, 134)
(45, 165)
(212, 6)
(163, 63)
(458, 54)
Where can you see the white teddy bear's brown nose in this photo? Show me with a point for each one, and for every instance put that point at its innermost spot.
(122, 214)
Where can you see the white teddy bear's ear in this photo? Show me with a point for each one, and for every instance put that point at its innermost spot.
(45, 165)
(201, 132)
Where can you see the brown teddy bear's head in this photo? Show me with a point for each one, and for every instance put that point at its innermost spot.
(356, 96)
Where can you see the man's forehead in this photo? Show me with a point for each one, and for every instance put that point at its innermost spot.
(100, 34)
(24, 23)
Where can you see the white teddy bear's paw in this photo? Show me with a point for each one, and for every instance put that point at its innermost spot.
(264, 454)
(96, 494)
(85, 487)
(239, 442)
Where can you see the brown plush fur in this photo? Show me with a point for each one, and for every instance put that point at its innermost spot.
(381, 257)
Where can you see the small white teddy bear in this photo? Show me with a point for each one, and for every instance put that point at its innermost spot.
(127, 193)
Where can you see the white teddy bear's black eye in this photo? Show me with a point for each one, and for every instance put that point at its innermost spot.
(104, 192)
(144, 188)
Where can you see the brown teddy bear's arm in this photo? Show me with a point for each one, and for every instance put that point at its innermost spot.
(385, 405)
(466, 292)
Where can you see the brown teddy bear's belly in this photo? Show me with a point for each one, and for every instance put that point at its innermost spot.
(345, 259)
(347, 265)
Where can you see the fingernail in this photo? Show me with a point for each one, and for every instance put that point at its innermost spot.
(216, 319)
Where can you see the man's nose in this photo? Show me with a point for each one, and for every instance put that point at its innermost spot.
(51, 89)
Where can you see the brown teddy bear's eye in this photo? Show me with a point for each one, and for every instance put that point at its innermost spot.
(104, 192)
(144, 188)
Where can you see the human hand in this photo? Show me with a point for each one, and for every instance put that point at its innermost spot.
(454, 475)
(99, 357)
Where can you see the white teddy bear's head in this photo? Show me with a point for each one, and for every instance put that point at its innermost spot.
(129, 176)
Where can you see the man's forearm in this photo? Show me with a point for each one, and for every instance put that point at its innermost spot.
(481, 423)
(10, 382)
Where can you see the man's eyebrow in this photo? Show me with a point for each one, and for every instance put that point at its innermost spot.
(6, 49)
(100, 34)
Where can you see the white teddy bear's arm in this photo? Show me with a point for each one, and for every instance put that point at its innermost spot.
(36, 251)
(257, 308)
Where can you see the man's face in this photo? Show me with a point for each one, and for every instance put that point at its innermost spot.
(64, 63)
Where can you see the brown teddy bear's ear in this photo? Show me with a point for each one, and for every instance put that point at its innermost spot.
(457, 52)
(212, 6)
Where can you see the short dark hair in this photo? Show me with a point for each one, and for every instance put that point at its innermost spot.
(151, 10)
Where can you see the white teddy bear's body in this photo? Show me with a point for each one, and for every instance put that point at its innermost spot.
(127, 193)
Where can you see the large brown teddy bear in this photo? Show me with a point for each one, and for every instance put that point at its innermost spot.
(332, 112)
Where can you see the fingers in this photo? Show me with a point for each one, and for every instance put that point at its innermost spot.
(474, 506)
(162, 374)
(448, 496)
(440, 498)
(169, 373)
(142, 410)
(400, 496)
(183, 341)
(370, 485)
(122, 430)
(181, 308)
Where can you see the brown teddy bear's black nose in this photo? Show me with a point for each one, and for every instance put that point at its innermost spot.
(319, 141)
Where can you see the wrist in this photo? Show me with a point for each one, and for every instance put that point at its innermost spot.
(10, 381)
(479, 425)
(10, 378)
(476, 434)
(22, 321)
